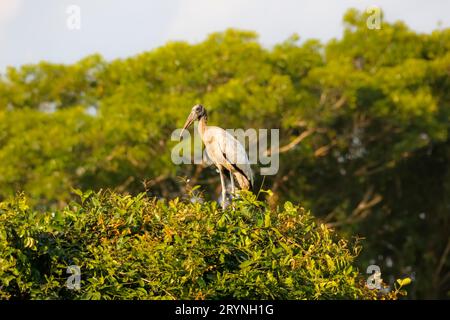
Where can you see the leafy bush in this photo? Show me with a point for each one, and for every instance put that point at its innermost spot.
(144, 248)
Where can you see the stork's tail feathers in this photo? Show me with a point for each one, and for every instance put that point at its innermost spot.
(243, 181)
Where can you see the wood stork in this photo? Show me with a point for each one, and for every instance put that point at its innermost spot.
(224, 150)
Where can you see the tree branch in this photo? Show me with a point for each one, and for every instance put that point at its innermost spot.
(361, 211)
(442, 260)
(293, 143)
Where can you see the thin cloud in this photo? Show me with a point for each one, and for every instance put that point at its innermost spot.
(9, 10)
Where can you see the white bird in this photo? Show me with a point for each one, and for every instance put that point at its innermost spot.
(224, 150)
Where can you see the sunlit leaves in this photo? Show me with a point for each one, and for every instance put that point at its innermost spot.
(139, 248)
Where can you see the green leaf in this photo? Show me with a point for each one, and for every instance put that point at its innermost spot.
(246, 264)
(404, 282)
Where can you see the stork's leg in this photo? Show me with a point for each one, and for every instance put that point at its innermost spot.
(222, 182)
(232, 183)
(232, 190)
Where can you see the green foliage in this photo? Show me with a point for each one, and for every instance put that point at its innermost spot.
(144, 248)
(374, 104)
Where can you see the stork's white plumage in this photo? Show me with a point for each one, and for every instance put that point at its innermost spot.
(224, 150)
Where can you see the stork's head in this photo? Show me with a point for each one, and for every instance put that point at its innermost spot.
(198, 112)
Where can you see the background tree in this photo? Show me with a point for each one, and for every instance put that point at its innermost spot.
(364, 123)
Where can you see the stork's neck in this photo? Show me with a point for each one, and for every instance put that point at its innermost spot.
(202, 126)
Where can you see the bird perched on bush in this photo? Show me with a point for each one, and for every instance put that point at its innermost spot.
(224, 150)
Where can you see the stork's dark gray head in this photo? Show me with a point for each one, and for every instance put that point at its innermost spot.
(197, 112)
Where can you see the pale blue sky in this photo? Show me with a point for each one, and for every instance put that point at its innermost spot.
(32, 30)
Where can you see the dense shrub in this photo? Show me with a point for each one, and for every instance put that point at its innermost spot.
(144, 248)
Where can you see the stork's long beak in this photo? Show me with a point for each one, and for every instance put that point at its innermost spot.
(189, 121)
